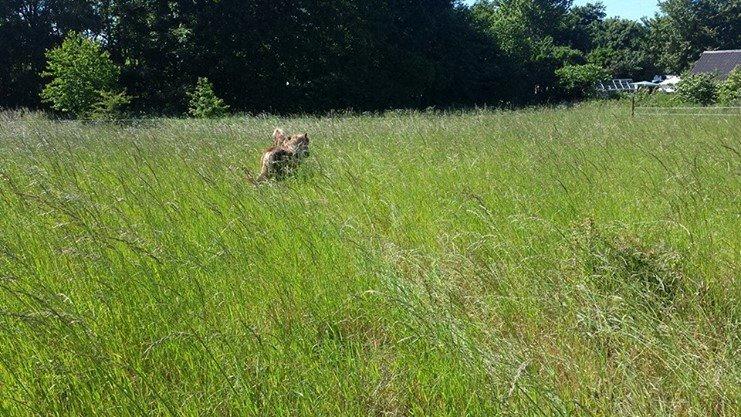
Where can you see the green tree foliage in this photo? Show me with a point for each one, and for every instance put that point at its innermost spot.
(620, 46)
(580, 80)
(582, 23)
(204, 103)
(80, 71)
(729, 92)
(530, 34)
(523, 25)
(698, 89)
(312, 55)
(159, 50)
(304, 55)
(28, 28)
(110, 105)
(686, 28)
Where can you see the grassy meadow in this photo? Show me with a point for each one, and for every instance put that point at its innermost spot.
(540, 262)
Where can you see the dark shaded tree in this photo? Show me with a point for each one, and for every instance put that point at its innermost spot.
(318, 55)
(27, 29)
(582, 23)
(533, 35)
(301, 55)
(622, 47)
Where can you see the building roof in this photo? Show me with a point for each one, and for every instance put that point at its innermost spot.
(720, 62)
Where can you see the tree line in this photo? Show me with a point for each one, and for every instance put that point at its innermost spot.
(315, 55)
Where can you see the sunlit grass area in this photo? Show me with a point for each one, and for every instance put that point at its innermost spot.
(534, 262)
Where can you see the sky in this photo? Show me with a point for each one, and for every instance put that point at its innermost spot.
(631, 9)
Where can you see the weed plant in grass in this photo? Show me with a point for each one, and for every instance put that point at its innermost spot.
(535, 262)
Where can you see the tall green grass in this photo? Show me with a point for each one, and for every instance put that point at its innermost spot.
(537, 262)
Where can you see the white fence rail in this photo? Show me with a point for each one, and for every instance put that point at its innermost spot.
(637, 110)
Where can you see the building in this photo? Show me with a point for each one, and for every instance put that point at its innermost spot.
(718, 62)
(669, 85)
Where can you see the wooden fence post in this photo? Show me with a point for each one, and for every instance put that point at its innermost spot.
(633, 105)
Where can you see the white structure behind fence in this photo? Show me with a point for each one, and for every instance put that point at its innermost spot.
(620, 84)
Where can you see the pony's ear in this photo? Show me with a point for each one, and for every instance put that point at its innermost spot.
(279, 136)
